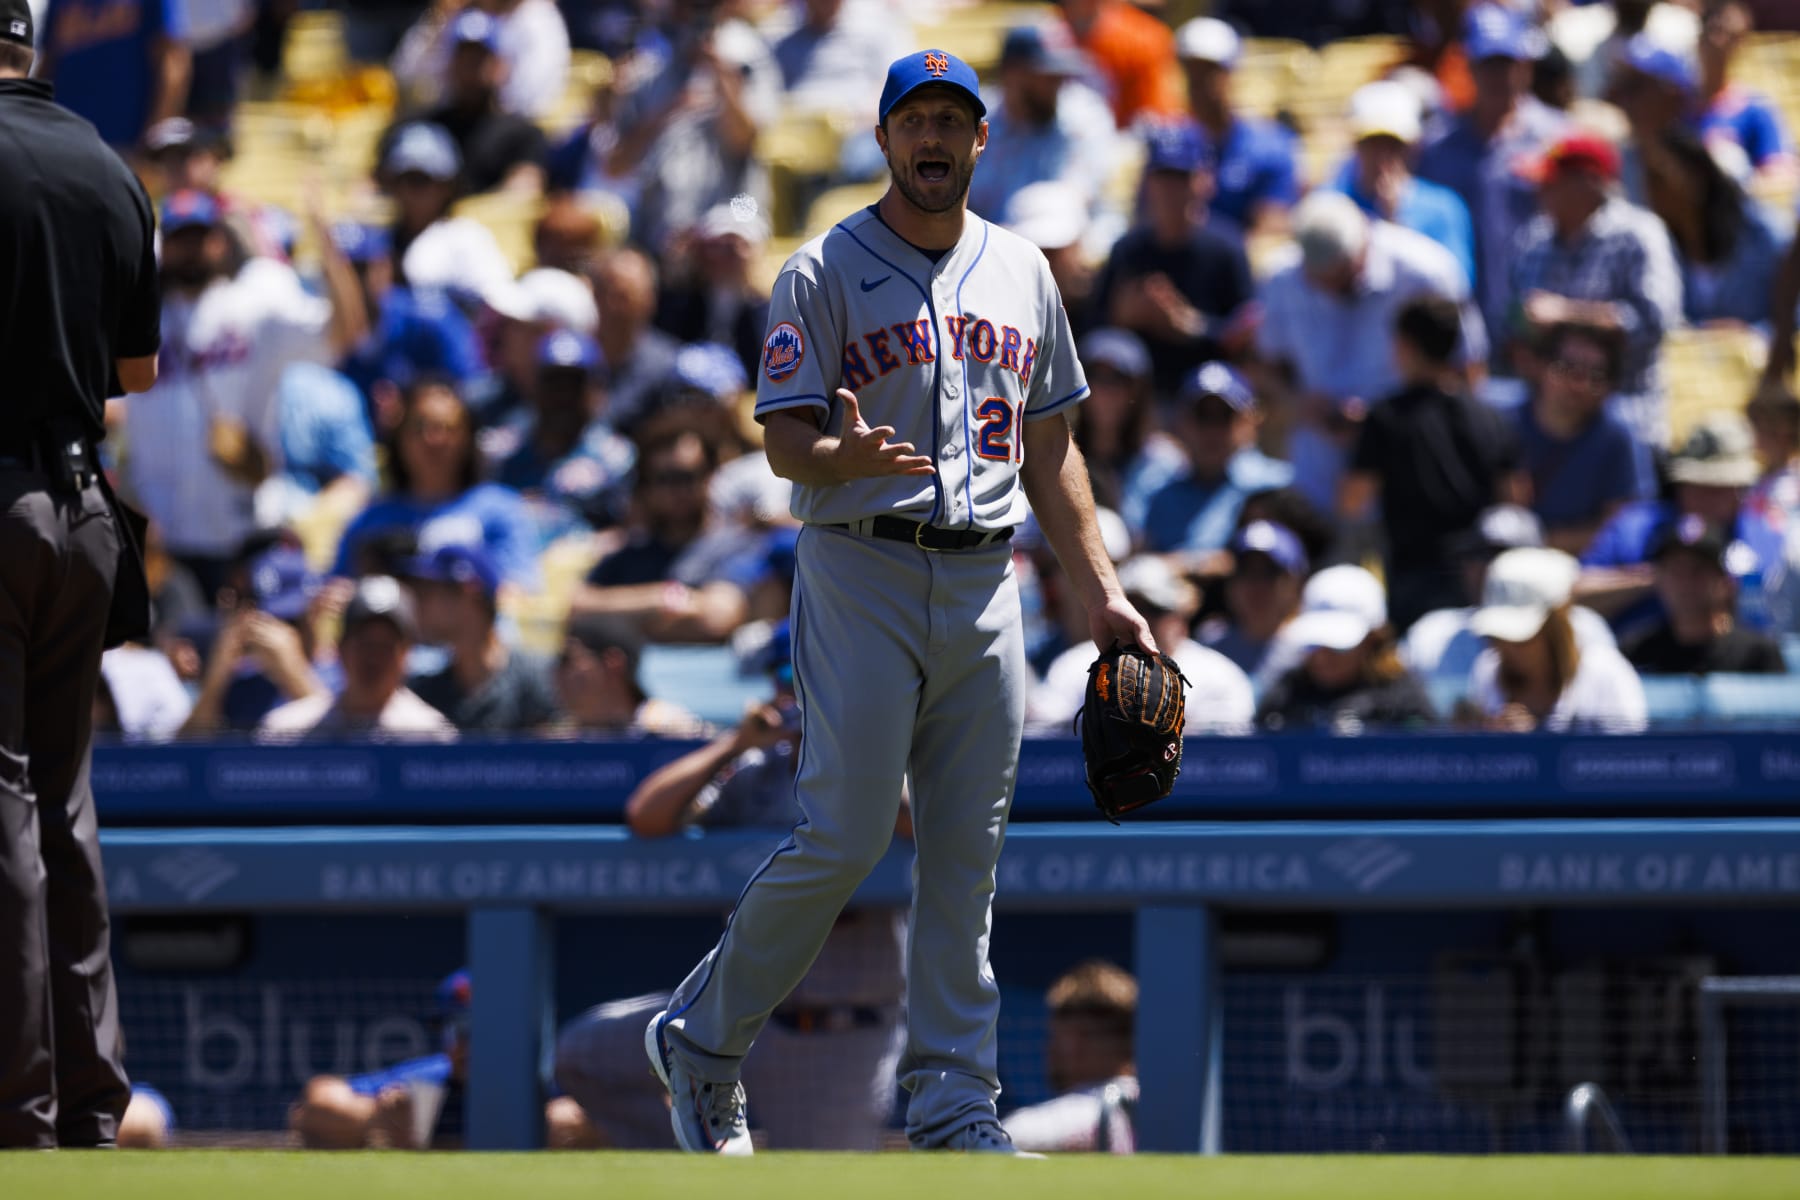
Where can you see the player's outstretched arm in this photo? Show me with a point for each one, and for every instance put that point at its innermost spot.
(801, 451)
(1056, 483)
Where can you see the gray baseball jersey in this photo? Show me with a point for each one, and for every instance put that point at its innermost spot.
(907, 662)
(955, 355)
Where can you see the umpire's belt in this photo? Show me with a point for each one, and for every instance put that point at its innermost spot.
(830, 1018)
(925, 537)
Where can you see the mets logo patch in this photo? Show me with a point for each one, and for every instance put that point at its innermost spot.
(783, 352)
(936, 62)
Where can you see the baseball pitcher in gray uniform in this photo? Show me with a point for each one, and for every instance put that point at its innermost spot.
(916, 384)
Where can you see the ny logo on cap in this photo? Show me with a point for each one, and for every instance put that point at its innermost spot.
(18, 29)
(936, 63)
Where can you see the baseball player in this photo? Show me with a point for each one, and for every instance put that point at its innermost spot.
(915, 385)
(823, 1071)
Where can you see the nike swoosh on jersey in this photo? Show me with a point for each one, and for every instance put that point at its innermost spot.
(869, 287)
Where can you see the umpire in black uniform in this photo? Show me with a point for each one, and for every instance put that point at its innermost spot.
(79, 316)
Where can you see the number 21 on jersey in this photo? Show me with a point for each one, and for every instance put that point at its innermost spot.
(999, 440)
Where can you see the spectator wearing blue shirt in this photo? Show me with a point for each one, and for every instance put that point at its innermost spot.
(1384, 119)
(1256, 160)
(437, 498)
(412, 333)
(1045, 124)
(1583, 464)
(1486, 153)
(1709, 477)
(1731, 115)
(567, 461)
(1196, 512)
(1180, 279)
(327, 449)
(122, 64)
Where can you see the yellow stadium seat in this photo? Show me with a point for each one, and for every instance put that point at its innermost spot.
(975, 34)
(1708, 370)
(511, 219)
(839, 202)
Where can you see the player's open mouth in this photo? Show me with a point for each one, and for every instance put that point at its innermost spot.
(933, 170)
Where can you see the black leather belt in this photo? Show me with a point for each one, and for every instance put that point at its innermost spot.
(925, 537)
(833, 1018)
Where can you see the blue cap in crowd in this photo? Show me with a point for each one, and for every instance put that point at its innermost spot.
(1177, 146)
(907, 75)
(1217, 379)
(472, 27)
(1646, 57)
(423, 148)
(777, 655)
(567, 350)
(283, 583)
(711, 368)
(1495, 31)
(1275, 542)
(1041, 49)
(361, 243)
(457, 564)
(188, 209)
(1120, 349)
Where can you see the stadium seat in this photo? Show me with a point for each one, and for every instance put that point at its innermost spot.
(975, 33)
(1707, 370)
(1729, 699)
(1672, 699)
(702, 679)
(799, 148)
(839, 202)
(511, 219)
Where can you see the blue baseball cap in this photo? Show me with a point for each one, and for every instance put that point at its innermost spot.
(567, 350)
(1217, 379)
(1495, 31)
(188, 209)
(1646, 57)
(777, 654)
(472, 27)
(1177, 146)
(1275, 542)
(282, 582)
(1041, 49)
(423, 148)
(907, 75)
(711, 368)
(1119, 349)
(457, 564)
(361, 243)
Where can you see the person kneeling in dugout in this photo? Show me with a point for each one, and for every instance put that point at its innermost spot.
(822, 1073)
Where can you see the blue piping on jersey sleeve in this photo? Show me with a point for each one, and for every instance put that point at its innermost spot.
(968, 448)
(937, 366)
(1074, 397)
(810, 400)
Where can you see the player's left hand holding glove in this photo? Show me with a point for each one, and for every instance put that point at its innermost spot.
(1131, 728)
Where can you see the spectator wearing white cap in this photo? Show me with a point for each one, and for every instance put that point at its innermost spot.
(1386, 121)
(708, 295)
(1350, 677)
(1328, 320)
(1535, 675)
(421, 168)
(1044, 124)
(1257, 171)
(1219, 696)
(1178, 279)
(1116, 426)
(541, 303)
(1055, 217)
(1441, 644)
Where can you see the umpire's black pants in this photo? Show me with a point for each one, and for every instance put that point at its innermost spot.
(61, 1081)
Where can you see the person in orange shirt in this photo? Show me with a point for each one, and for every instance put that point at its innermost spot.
(1134, 52)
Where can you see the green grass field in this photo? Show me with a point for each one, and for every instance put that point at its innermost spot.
(276, 1175)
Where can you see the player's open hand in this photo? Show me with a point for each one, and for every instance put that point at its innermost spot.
(1116, 620)
(865, 453)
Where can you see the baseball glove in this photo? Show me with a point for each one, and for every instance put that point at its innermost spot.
(1131, 727)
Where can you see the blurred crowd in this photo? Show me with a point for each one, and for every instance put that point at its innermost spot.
(1384, 436)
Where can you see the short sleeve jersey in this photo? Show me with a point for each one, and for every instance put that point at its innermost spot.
(955, 354)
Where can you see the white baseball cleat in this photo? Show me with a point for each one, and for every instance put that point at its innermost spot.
(708, 1118)
(985, 1137)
